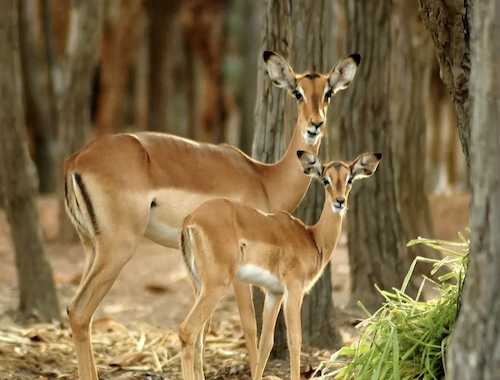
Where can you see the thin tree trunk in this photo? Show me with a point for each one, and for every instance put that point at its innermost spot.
(448, 23)
(160, 14)
(410, 53)
(123, 24)
(375, 233)
(269, 138)
(38, 115)
(474, 352)
(311, 50)
(77, 70)
(204, 26)
(38, 296)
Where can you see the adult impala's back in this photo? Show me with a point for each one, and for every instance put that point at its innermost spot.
(120, 188)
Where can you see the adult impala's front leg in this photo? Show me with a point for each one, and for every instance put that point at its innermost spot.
(272, 306)
(244, 300)
(292, 306)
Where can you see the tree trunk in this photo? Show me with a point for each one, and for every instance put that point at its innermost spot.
(204, 26)
(38, 296)
(39, 118)
(448, 23)
(410, 54)
(160, 13)
(77, 70)
(474, 352)
(376, 241)
(123, 24)
(312, 51)
(269, 138)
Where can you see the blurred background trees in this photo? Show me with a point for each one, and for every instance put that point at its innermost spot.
(194, 68)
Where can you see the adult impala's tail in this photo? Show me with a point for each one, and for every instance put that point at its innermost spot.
(79, 205)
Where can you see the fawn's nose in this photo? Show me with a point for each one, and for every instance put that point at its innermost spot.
(340, 201)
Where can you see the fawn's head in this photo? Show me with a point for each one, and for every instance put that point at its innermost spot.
(311, 90)
(338, 176)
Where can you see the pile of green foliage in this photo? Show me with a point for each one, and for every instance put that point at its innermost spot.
(407, 338)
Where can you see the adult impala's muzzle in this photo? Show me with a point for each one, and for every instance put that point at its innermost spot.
(313, 133)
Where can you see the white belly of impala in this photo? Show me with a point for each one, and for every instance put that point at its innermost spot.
(162, 233)
(254, 275)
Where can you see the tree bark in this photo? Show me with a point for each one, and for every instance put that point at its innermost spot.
(474, 352)
(123, 24)
(160, 13)
(38, 296)
(269, 136)
(410, 53)
(77, 70)
(204, 26)
(448, 23)
(39, 119)
(375, 234)
(312, 51)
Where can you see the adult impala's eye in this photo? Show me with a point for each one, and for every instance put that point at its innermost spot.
(349, 181)
(326, 182)
(298, 95)
(328, 95)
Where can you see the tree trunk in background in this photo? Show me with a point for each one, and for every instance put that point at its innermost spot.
(204, 25)
(312, 49)
(123, 25)
(77, 69)
(39, 119)
(269, 143)
(474, 353)
(375, 233)
(38, 296)
(160, 14)
(249, 48)
(410, 56)
(448, 23)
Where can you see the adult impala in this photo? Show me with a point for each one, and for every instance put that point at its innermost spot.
(120, 188)
(224, 241)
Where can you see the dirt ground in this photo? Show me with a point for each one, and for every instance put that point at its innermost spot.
(151, 298)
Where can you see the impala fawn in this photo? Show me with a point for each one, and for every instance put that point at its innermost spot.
(224, 241)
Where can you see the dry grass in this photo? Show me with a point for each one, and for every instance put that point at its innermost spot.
(45, 351)
(137, 352)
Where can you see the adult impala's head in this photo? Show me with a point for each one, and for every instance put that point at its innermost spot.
(338, 176)
(311, 90)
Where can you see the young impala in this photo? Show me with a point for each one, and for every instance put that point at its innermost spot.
(120, 188)
(224, 241)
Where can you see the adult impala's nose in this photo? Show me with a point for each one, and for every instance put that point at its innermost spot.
(317, 125)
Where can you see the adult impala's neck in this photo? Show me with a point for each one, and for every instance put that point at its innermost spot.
(285, 181)
(327, 231)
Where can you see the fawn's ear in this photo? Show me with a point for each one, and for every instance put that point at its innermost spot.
(343, 74)
(365, 165)
(279, 71)
(310, 164)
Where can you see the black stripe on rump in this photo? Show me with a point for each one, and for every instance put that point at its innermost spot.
(88, 202)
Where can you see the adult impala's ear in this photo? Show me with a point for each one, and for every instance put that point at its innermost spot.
(343, 74)
(310, 164)
(279, 71)
(365, 165)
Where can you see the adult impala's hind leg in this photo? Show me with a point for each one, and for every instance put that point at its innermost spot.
(110, 257)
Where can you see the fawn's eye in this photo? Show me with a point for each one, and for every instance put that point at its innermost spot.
(326, 182)
(328, 95)
(349, 181)
(298, 95)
